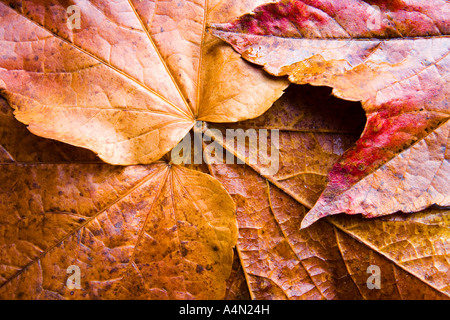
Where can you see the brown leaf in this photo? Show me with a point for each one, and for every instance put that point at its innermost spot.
(328, 260)
(313, 131)
(237, 288)
(42, 232)
(411, 252)
(278, 260)
(281, 262)
(139, 232)
(132, 80)
(397, 284)
(397, 66)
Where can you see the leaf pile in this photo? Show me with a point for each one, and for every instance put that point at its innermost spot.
(90, 116)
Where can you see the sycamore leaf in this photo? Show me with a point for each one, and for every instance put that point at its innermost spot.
(393, 56)
(139, 232)
(167, 231)
(277, 260)
(330, 259)
(131, 80)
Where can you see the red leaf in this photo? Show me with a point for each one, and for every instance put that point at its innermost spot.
(392, 56)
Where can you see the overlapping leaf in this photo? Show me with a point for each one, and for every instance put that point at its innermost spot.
(132, 80)
(329, 259)
(138, 232)
(166, 231)
(278, 261)
(391, 56)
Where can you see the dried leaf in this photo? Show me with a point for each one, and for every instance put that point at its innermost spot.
(313, 131)
(131, 81)
(139, 232)
(278, 260)
(397, 66)
(329, 259)
(164, 231)
(411, 251)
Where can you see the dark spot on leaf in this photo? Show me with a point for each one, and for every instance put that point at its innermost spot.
(199, 269)
(97, 232)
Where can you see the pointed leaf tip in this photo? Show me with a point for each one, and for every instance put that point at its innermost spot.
(309, 219)
(318, 211)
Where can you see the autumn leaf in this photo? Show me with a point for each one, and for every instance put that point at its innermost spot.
(329, 259)
(312, 127)
(158, 231)
(166, 231)
(276, 259)
(129, 83)
(392, 56)
(131, 80)
(237, 288)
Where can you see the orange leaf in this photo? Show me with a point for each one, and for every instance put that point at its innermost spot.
(397, 66)
(131, 81)
(158, 231)
(329, 259)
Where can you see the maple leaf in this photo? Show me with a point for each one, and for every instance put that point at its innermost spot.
(157, 231)
(128, 84)
(275, 259)
(393, 56)
(132, 80)
(329, 259)
(66, 207)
